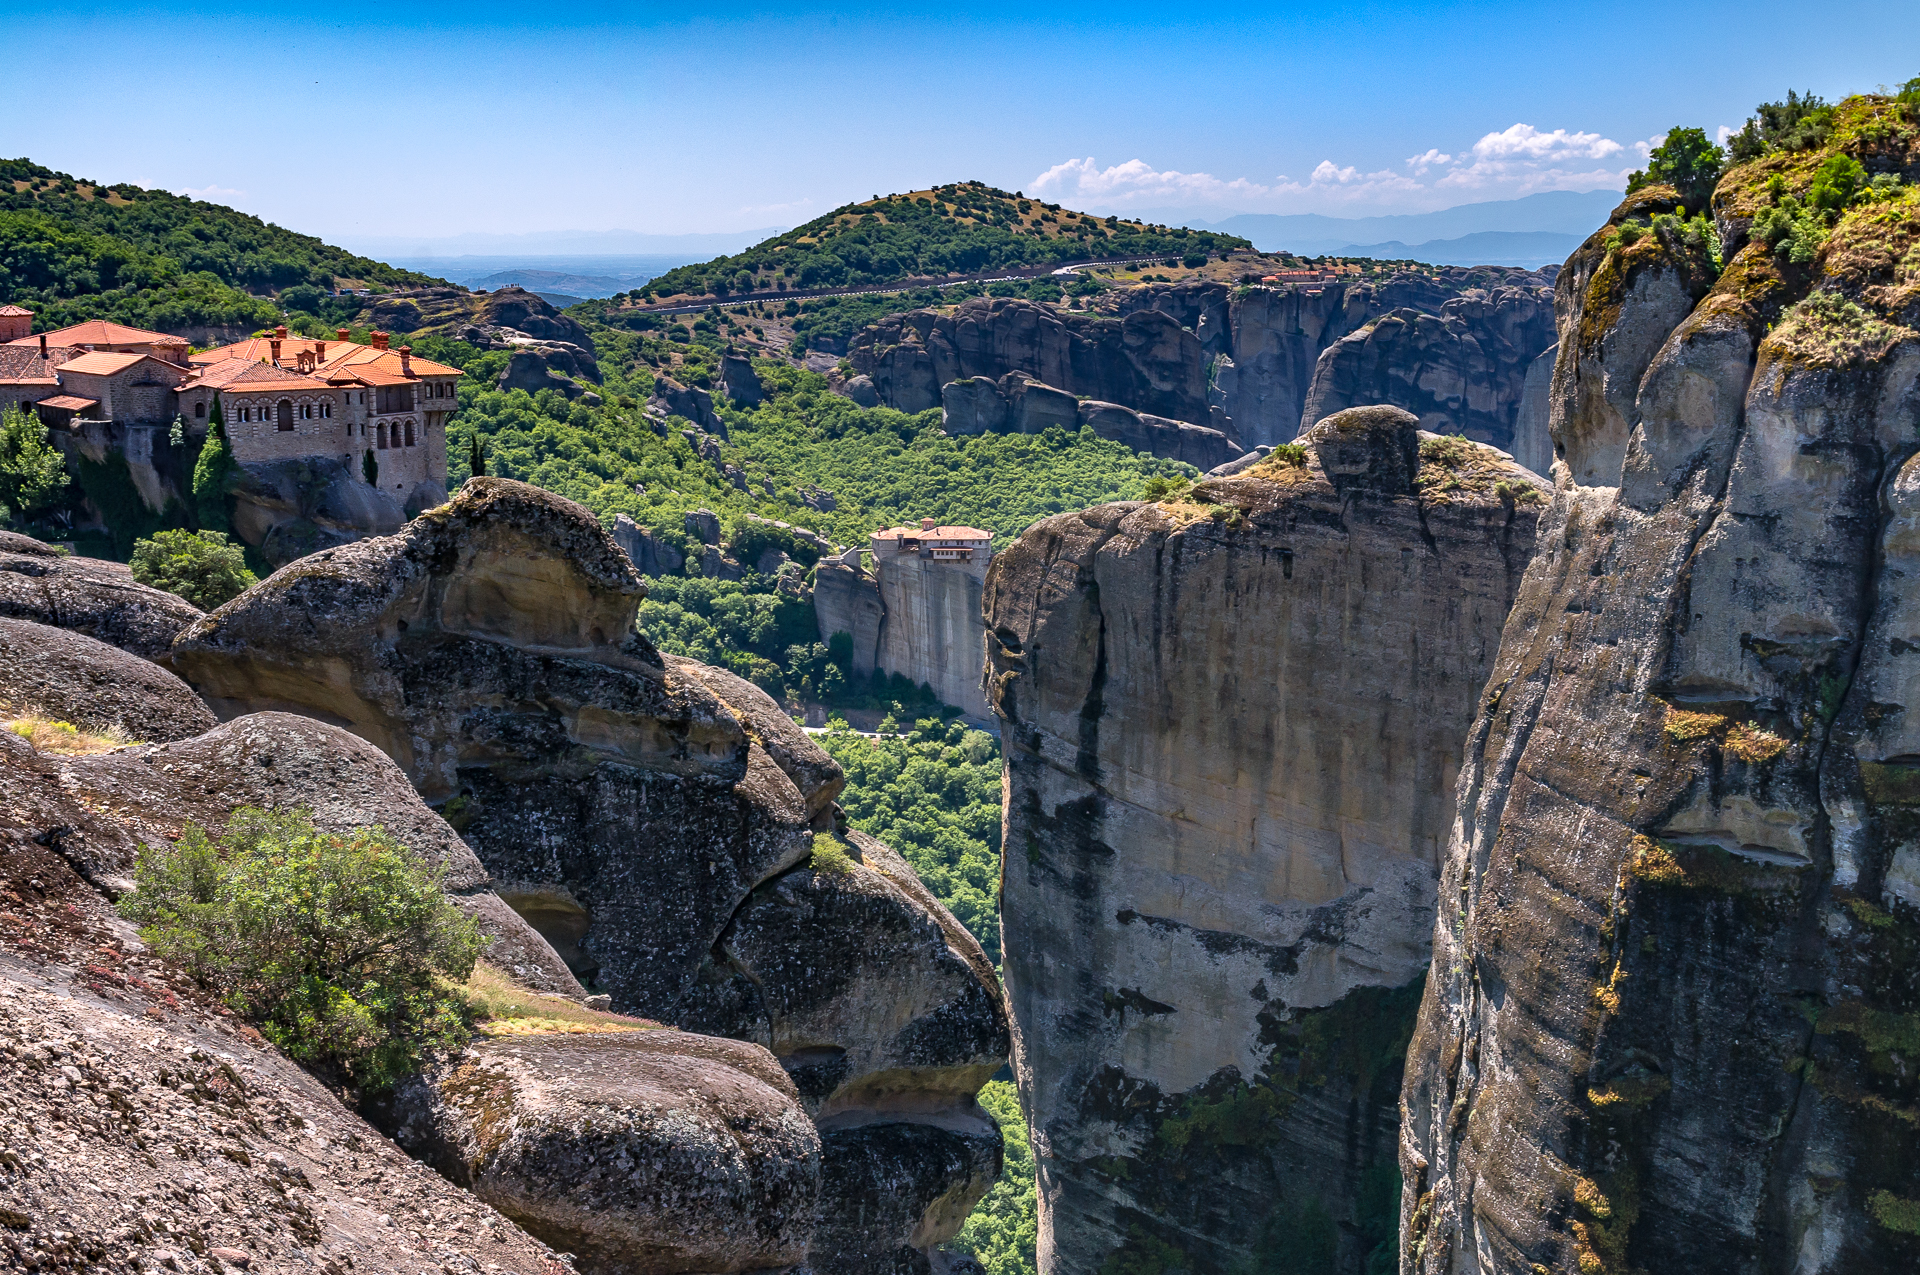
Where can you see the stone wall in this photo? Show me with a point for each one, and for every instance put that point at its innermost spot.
(1231, 746)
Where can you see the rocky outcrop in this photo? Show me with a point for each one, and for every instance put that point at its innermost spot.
(291, 508)
(100, 599)
(628, 805)
(1018, 404)
(846, 599)
(75, 678)
(691, 403)
(1239, 360)
(678, 1153)
(1461, 371)
(739, 382)
(1232, 729)
(650, 555)
(1669, 1020)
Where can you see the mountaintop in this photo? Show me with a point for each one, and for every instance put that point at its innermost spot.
(956, 229)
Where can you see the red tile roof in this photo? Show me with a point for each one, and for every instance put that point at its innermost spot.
(68, 403)
(20, 364)
(338, 357)
(14, 311)
(242, 376)
(106, 362)
(100, 332)
(935, 533)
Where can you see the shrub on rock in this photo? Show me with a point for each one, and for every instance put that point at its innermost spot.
(200, 566)
(334, 944)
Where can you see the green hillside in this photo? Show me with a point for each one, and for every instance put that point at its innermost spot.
(959, 229)
(72, 249)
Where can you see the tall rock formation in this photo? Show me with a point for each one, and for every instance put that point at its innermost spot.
(1672, 1016)
(1232, 727)
(1244, 360)
(656, 820)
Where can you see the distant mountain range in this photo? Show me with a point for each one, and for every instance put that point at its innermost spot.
(1534, 231)
(561, 243)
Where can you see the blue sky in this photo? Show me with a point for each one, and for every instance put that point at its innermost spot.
(372, 120)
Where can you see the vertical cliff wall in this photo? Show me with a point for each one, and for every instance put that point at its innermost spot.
(1673, 1011)
(1231, 731)
(931, 629)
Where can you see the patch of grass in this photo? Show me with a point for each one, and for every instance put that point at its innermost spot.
(1753, 744)
(1894, 1212)
(1684, 727)
(49, 734)
(1829, 330)
(500, 1007)
(831, 854)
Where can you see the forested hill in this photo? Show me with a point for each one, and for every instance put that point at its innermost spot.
(72, 249)
(959, 229)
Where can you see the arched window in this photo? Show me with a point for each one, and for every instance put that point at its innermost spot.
(285, 413)
(200, 411)
(409, 433)
(383, 436)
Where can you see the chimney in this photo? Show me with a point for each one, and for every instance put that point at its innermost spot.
(281, 331)
(926, 524)
(379, 340)
(273, 348)
(340, 333)
(319, 351)
(406, 360)
(43, 347)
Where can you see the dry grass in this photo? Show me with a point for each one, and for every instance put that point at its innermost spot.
(502, 1008)
(1754, 744)
(48, 734)
(1683, 727)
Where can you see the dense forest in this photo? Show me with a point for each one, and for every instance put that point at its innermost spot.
(963, 228)
(72, 250)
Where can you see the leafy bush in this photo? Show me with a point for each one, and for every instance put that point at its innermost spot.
(1796, 124)
(934, 796)
(1003, 1229)
(334, 944)
(200, 566)
(1835, 183)
(1688, 162)
(32, 473)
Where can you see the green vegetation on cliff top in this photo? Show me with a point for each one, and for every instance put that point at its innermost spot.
(963, 228)
(73, 249)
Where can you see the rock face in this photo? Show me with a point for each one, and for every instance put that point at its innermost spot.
(1018, 404)
(1231, 732)
(627, 804)
(1242, 364)
(650, 555)
(77, 679)
(846, 599)
(99, 599)
(1669, 1025)
(653, 1182)
(291, 508)
(670, 398)
(1464, 370)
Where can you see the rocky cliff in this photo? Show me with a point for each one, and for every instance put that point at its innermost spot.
(1232, 730)
(1672, 1011)
(656, 820)
(1244, 360)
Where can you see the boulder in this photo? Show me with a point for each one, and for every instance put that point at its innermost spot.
(703, 525)
(100, 599)
(817, 777)
(1033, 407)
(653, 1151)
(524, 312)
(690, 403)
(544, 366)
(861, 390)
(1222, 828)
(79, 679)
(278, 761)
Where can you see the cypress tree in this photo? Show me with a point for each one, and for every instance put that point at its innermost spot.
(370, 469)
(476, 462)
(211, 471)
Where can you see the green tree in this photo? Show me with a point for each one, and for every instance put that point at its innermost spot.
(476, 460)
(1688, 162)
(211, 471)
(370, 469)
(1002, 1230)
(32, 471)
(334, 944)
(200, 566)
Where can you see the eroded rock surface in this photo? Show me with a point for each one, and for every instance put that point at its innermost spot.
(1667, 1023)
(627, 804)
(74, 678)
(1232, 730)
(652, 1151)
(100, 599)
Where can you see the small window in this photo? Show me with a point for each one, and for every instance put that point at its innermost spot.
(409, 433)
(200, 411)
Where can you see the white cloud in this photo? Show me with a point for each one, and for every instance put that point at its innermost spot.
(1725, 131)
(1520, 160)
(213, 194)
